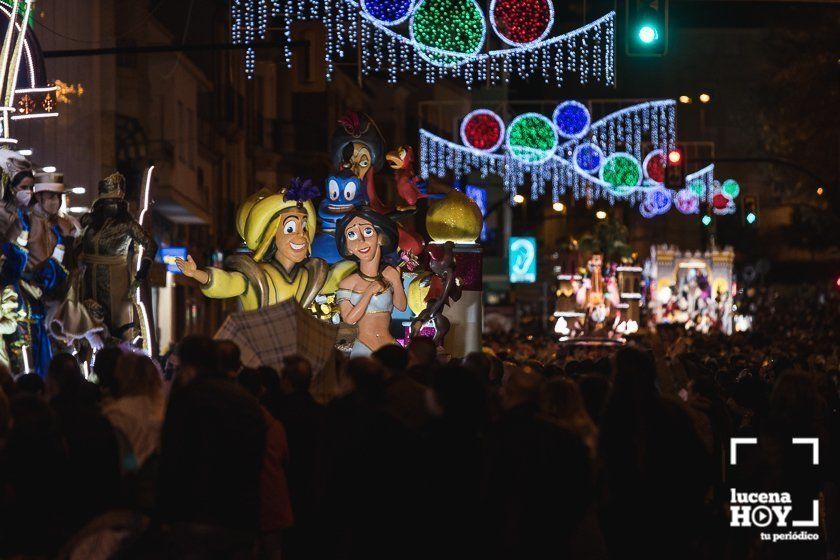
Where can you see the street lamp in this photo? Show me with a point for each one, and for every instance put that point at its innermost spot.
(705, 98)
(558, 206)
(820, 191)
(601, 215)
(685, 99)
(518, 199)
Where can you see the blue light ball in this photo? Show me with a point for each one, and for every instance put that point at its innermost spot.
(571, 119)
(388, 12)
(588, 158)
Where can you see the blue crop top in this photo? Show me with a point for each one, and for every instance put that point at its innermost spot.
(380, 303)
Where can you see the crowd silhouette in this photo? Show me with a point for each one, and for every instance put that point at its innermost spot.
(529, 449)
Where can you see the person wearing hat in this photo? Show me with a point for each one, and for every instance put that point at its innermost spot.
(278, 229)
(16, 180)
(50, 229)
(109, 232)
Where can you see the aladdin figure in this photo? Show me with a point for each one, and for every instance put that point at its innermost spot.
(15, 192)
(279, 229)
(110, 233)
(368, 296)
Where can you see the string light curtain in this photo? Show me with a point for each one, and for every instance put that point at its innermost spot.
(437, 39)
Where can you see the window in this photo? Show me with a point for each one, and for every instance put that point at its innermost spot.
(191, 137)
(181, 133)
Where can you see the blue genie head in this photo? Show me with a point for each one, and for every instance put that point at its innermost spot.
(344, 193)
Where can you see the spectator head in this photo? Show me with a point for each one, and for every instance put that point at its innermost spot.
(795, 404)
(7, 382)
(480, 365)
(104, 368)
(422, 351)
(393, 357)
(296, 376)
(635, 373)
(137, 375)
(31, 384)
(251, 380)
(520, 386)
(561, 400)
(64, 377)
(229, 358)
(367, 378)
(196, 357)
(458, 395)
(594, 389)
(5, 417)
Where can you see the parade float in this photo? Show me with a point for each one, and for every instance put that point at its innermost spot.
(691, 289)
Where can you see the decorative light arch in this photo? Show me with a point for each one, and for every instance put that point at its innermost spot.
(384, 46)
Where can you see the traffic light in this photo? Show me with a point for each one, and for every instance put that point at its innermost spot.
(707, 220)
(750, 207)
(647, 27)
(675, 169)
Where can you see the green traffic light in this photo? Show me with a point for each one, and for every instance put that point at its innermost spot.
(707, 220)
(751, 217)
(648, 34)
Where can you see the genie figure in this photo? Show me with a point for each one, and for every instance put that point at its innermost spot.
(344, 193)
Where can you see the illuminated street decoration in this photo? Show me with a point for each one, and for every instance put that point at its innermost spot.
(440, 38)
(483, 130)
(23, 87)
(600, 159)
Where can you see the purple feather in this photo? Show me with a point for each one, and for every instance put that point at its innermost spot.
(301, 190)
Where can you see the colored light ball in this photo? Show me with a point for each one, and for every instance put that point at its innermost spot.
(731, 188)
(531, 138)
(656, 202)
(521, 22)
(720, 201)
(697, 186)
(482, 130)
(388, 12)
(621, 170)
(456, 27)
(687, 201)
(588, 157)
(456, 218)
(571, 119)
(654, 166)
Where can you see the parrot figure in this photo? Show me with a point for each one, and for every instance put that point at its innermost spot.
(401, 161)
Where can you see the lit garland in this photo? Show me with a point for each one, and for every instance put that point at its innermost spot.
(521, 22)
(531, 138)
(571, 119)
(445, 38)
(483, 130)
(574, 164)
(388, 12)
(450, 26)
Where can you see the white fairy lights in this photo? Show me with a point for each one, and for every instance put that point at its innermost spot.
(563, 170)
(385, 46)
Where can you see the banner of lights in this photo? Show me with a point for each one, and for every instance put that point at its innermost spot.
(568, 151)
(441, 38)
(24, 92)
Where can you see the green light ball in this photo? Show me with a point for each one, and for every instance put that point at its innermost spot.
(697, 186)
(731, 188)
(621, 171)
(531, 138)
